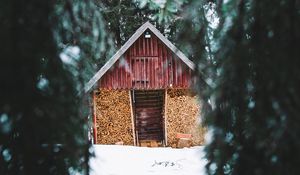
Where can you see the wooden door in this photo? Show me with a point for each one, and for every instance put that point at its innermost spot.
(148, 107)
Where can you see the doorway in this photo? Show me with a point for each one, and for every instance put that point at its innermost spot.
(148, 108)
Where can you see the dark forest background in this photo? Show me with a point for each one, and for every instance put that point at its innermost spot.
(247, 57)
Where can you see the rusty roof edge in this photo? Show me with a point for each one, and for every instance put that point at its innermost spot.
(126, 46)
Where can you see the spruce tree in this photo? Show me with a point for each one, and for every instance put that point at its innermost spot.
(255, 119)
(124, 17)
(45, 47)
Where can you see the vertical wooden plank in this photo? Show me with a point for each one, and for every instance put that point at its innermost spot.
(134, 72)
(171, 68)
(141, 46)
(125, 72)
(157, 70)
(187, 77)
(190, 78)
(175, 71)
(120, 85)
(132, 118)
(134, 48)
(150, 46)
(167, 60)
(119, 80)
(160, 68)
(138, 61)
(131, 68)
(179, 74)
(102, 81)
(153, 68)
(129, 74)
(112, 78)
(166, 117)
(158, 44)
(155, 45)
(151, 72)
(156, 73)
(163, 70)
(139, 72)
(184, 76)
(137, 47)
(109, 79)
(116, 76)
(144, 46)
(147, 72)
(121, 73)
(105, 82)
(146, 40)
(94, 117)
(144, 73)
(127, 68)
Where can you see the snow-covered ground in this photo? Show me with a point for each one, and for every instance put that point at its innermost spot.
(129, 160)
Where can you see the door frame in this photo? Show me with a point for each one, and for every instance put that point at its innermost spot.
(163, 115)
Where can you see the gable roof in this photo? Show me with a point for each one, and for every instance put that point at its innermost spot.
(126, 46)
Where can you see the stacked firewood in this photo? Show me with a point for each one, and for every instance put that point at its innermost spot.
(113, 117)
(182, 112)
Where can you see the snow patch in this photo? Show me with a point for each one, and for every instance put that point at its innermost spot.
(70, 55)
(130, 160)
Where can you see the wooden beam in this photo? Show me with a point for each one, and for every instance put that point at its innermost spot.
(165, 117)
(132, 119)
(94, 118)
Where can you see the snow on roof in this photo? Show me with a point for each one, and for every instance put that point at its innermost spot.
(126, 46)
(129, 160)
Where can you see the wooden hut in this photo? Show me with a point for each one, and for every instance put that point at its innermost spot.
(143, 93)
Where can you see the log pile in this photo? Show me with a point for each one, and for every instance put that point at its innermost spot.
(182, 112)
(113, 117)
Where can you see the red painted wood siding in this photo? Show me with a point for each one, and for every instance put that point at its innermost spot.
(147, 64)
